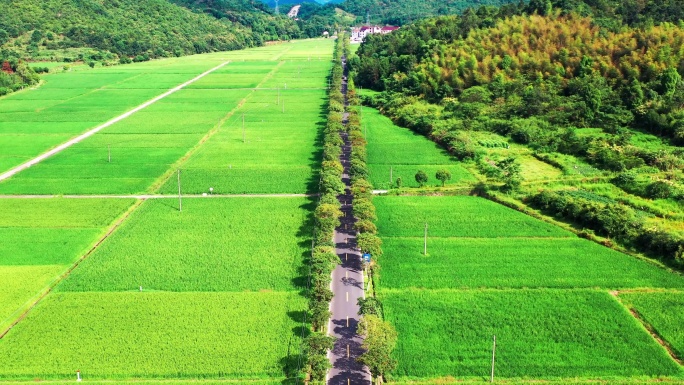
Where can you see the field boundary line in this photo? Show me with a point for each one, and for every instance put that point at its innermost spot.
(48, 289)
(159, 183)
(99, 128)
(278, 56)
(649, 328)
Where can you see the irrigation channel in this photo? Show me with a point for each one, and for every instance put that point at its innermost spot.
(347, 284)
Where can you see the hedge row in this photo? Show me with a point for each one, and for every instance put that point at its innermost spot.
(614, 220)
(327, 216)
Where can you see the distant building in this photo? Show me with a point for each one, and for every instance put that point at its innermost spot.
(360, 33)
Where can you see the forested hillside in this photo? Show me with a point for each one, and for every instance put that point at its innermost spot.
(400, 12)
(589, 88)
(254, 15)
(122, 27)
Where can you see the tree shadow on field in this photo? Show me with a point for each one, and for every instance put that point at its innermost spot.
(293, 363)
(312, 185)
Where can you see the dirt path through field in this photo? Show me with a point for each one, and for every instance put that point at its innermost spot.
(99, 128)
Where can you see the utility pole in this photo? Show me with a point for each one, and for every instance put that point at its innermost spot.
(493, 357)
(109, 153)
(180, 201)
(391, 179)
(425, 242)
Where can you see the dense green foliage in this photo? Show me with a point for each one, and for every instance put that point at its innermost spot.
(530, 69)
(614, 220)
(400, 12)
(150, 28)
(539, 333)
(15, 74)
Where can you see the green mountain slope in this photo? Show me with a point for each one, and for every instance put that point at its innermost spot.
(253, 14)
(49, 28)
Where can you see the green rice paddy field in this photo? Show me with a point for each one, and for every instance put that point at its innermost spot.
(448, 304)
(41, 238)
(221, 280)
(561, 307)
(401, 153)
(282, 101)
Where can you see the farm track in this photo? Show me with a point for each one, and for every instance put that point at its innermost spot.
(347, 285)
(101, 127)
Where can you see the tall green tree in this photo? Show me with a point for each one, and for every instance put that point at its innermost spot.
(380, 339)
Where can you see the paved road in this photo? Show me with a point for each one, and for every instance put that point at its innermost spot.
(97, 129)
(347, 286)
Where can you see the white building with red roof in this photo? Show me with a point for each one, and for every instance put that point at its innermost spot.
(360, 33)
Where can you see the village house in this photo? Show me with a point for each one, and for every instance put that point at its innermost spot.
(360, 33)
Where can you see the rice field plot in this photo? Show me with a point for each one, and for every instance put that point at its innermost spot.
(457, 216)
(663, 311)
(69, 103)
(381, 174)
(533, 169)
(311, 48)
(539, 333)
(20, 284)
(154, 335)
(236, 75)
(275, 152)
(405, 152)
(130, 155)
(41, 238)
(300, 74)
(214, 244)
(514, 263)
